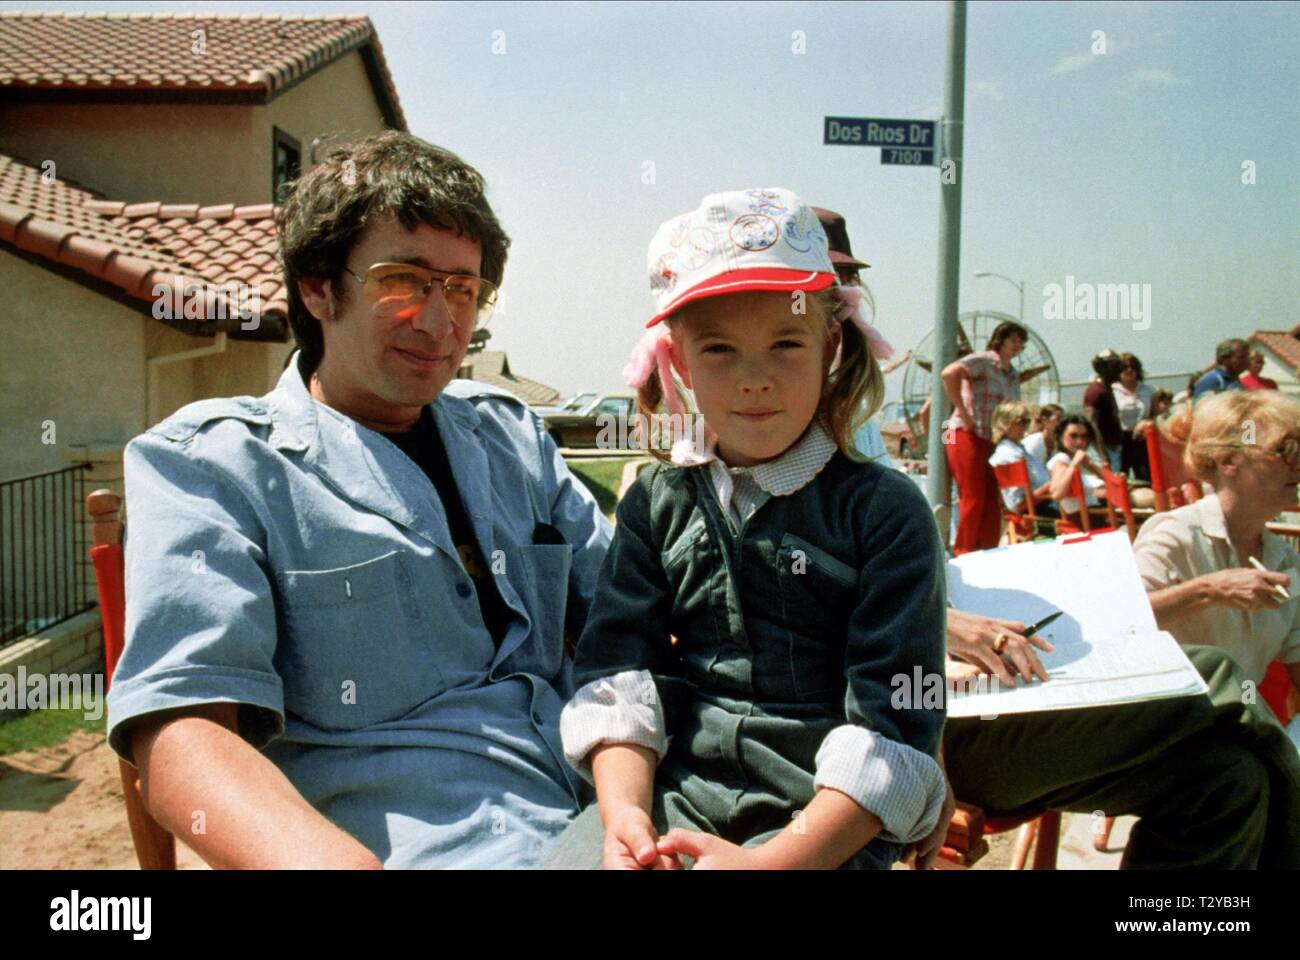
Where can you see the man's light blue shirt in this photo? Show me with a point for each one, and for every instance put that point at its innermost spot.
(284, 557)
(871, 443)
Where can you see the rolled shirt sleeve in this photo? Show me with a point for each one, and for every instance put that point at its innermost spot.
(200, 621)
(623, 708)
(884, 757)
(899, 784)
(617, 653)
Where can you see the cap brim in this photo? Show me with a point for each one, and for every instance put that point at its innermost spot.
(740, 281)
(844, 260)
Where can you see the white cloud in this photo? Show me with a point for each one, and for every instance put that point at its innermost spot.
(988, 88)
(1154, 75)
(1073, 62)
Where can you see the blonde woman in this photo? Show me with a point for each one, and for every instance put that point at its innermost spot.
(1010, 421)
(1196, 561)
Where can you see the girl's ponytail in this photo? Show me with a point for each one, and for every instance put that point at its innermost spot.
(855, 388)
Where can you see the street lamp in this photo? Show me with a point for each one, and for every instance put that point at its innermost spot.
(1018, 285)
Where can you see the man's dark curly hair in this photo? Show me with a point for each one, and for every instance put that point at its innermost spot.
(389, 173)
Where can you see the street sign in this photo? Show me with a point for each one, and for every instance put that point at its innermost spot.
(876, 132)
(907, 156)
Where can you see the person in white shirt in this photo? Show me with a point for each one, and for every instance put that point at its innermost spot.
(1074, 434)
(1133, 401)
(1010, 421)
(1042, 442)
(1195, 560)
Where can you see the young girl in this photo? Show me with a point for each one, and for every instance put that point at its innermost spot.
(752, 682)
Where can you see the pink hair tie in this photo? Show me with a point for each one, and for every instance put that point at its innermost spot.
(654, 352)
(850, 309)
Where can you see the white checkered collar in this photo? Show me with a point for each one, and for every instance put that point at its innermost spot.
(786, 474)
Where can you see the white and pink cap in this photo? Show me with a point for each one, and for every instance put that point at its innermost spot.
(764, 239)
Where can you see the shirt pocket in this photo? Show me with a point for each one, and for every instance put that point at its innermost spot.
(358, 650)
(818, 593)
(539, 573)
(697, 582)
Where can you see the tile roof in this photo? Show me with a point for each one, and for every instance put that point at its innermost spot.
(77, 54)
(134, 246)
(1283, 345)
(492, 367)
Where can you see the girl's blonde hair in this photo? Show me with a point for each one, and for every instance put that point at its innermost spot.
(1007, 413)
(853, 391)
(1231, 423)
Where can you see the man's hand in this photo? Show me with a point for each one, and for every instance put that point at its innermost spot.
(1246, 589)
(972, 638)
(631, 842)
(923, 854)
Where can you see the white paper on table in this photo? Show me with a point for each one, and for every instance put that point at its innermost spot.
(1107, 647)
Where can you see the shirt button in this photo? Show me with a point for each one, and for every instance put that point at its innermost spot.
(463, 589)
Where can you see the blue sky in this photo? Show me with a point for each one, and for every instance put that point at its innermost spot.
(1123, 167)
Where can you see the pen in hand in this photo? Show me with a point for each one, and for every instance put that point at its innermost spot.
(1281, 590)
(1035, 627)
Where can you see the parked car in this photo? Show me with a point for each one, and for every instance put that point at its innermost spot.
(575, 404)
(609, 417)
(900, 441)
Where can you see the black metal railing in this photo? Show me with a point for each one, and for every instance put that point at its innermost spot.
(43, 556)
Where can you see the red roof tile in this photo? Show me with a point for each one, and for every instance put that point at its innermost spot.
(128, 246)
(259, 55)
(1283, 345)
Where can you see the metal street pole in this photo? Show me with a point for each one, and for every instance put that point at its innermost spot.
(945, 318)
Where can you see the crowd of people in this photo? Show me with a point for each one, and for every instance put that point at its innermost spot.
(371, 670)
(991, 427)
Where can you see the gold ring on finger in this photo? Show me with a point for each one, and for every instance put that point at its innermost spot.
(999, 643)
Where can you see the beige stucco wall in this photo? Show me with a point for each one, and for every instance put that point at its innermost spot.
(71, 356)
(73, 370)
(188, 153)
(176, 153)
(337, 104)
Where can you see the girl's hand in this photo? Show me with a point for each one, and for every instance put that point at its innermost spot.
(1142, 429)
(710, 852)
(924, 853)
(631, 843)
(1079, 457)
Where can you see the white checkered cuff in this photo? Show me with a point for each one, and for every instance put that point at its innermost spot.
(623, 708)
(899, 784)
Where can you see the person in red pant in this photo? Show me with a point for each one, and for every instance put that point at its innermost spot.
(976, 384)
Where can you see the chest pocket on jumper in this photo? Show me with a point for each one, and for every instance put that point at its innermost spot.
(697, 578)
(358, 651)
(818, 594)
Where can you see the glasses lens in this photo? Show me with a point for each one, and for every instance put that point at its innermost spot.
(396, 284)
(469, 292)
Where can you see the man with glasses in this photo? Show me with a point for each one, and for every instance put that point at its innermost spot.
(349, 598)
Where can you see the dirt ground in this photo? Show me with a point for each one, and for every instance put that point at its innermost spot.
(61, 808)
